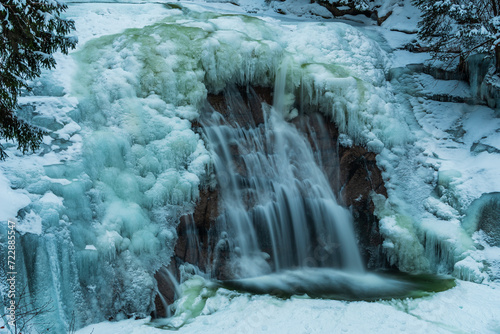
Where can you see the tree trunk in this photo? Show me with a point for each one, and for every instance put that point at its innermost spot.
(497, 59)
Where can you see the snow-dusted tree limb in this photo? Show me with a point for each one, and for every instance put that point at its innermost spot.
(30, 32)
(461, 28)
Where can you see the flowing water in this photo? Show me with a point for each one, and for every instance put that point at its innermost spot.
(282, 225)
(279, 211)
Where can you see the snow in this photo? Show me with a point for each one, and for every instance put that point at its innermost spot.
(404, 18)
(11, 201)
(402, 58)
(477, 175)
(453, 88)
(467, 308)
(433, 183)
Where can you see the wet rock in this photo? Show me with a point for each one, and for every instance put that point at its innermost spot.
(227, 101)
(353, 174)
(222, 269)
(360, 177)
(166, 291)
(479, 147)
(484, 86)
(347, 8)
(193, 231)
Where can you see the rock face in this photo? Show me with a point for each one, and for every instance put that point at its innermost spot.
(355, 180)
(359, 177)
(476, 84)
(253, 97)
(484, 87)
(193, 241)
(484, 215)
(341, 9)
(166, 291)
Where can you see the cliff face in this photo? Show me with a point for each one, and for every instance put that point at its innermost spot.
(351, 171)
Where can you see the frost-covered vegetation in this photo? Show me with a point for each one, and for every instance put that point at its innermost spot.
(456, 28)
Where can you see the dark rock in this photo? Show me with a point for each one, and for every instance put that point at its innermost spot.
(193, 241)
(227, 104)
(489, 222)
(484, 214)
(166, 291)
(360, 176)
(222, 270)
(353, 175)
(207, 208)
(479, 147)
(337, 9)
(193, 246)
(381, 19)
(484, 86)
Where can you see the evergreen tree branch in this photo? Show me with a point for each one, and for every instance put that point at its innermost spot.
(31, 31)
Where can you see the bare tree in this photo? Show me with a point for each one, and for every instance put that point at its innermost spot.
(29, 314)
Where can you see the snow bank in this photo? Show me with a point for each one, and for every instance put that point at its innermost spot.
(11, 201)
(468, 307)
(433, 182)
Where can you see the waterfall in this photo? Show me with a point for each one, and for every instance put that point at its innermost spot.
(279, 211)
(123, 160)
(281, 230)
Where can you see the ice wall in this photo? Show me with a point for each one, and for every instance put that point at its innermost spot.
(433, 182)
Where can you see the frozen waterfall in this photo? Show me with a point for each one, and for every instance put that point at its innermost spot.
(132, 140)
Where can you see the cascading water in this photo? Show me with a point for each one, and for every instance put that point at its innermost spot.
(276, 199)
(281, 230)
